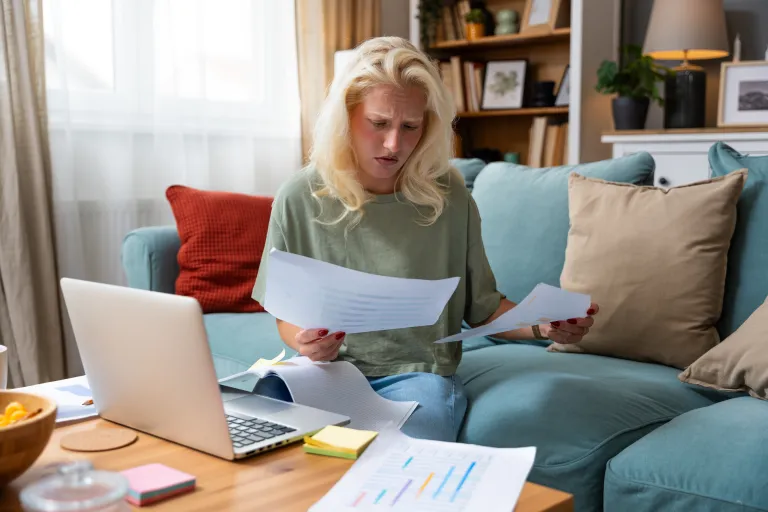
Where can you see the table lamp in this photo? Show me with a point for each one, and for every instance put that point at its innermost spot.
(686, 30)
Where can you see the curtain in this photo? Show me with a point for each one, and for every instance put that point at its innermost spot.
(148, 93)
(323, 28)
(30, 315)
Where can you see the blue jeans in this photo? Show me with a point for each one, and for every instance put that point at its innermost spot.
(442, 403)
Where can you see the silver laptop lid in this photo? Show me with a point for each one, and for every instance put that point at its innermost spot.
(148, 363)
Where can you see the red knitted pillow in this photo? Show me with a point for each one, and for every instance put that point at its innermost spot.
(222, 239)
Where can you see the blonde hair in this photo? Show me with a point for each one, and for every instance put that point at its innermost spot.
(385, 61)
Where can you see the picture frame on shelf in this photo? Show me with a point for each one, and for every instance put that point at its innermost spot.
(563, 97)
(544, 15)
(743, 100)
(504, 84)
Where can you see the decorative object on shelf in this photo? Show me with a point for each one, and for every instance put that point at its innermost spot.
(512, 157)
(507, 22)
(686, 30)
(737, 48)
(743, 94)
(635, 83)
(544, 15)
(564, 90)
(429, 15)
(543, 94)
(504, 85)
(475, 20)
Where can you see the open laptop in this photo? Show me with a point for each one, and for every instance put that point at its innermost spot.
(149, 365)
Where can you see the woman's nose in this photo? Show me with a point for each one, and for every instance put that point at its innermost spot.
(392, 141)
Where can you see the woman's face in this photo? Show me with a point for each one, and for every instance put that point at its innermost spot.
(386, 127)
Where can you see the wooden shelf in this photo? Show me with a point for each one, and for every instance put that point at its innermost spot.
(688, 131)
(559, 34)
(542, 111)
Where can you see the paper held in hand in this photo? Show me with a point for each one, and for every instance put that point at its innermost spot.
(314, 294)
(544, 304)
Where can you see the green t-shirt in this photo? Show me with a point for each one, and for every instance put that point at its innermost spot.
(389, 241)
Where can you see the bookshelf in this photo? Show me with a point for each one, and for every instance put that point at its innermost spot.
(577, 39)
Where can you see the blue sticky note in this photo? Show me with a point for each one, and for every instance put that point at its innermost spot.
(76, 389)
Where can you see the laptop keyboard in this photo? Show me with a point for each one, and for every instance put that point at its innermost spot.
(245, 431)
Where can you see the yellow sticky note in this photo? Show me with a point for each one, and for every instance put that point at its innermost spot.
(269, 362)
(342, 439)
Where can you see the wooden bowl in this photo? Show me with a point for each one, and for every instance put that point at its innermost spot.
(23, 442)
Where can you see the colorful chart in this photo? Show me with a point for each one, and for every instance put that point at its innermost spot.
(422, 479)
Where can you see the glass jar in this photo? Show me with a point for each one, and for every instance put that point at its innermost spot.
(77, 487)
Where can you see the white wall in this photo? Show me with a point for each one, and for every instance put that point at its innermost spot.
(395, 18)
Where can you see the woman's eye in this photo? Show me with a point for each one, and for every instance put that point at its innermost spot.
(378, 124)
(410, 127)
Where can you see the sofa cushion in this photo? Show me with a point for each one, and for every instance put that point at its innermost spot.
(578, 410)
(469, 168)
(747, 281)
(525, 216)
(222, 240)
(739, 363)
(238, 340)
(655, 261)
(711, 459)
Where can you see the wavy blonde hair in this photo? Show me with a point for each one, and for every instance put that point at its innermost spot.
(385, 61)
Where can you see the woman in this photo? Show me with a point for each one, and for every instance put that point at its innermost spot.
(380, 196)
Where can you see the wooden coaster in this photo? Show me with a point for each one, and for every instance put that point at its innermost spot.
(98, 439)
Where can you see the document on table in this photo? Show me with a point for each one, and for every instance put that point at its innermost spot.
(544, 304)
(402, 473)
(72, 397)
(312, 293)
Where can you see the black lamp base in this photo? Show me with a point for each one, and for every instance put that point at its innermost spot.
(685, 95)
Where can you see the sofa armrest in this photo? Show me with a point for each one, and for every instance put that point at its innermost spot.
(149, 258)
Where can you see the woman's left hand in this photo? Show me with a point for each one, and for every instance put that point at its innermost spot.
(572, 330)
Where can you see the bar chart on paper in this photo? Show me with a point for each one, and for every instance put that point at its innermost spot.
(422, 478)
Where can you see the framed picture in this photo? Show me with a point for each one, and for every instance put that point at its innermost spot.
(563, 98)
(544, 15)
(743, 94)
(504, 85)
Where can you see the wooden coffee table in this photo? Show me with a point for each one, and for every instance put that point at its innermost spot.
(286, 479)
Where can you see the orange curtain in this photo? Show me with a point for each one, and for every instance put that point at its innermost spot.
(324, 27)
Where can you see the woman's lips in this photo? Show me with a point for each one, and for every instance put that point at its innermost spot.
(386, 161)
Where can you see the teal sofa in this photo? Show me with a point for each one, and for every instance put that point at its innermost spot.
(619, 435)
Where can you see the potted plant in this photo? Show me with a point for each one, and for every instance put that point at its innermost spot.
(634, 81)
(475, 23)
(430, 14)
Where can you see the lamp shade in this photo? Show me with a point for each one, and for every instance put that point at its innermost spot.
(692, 29)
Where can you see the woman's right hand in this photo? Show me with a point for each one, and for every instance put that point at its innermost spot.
(319, 344)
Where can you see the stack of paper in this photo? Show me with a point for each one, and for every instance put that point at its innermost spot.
(336, 441)
(155, 482)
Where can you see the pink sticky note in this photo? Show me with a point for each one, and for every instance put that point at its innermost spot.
(155, 477)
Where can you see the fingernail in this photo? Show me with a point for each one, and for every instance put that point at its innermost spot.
(340, 335)
(590, 311)
(323, 332)
(572, 321)
(555, 324)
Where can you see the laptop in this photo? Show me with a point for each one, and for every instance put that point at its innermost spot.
(150, 368)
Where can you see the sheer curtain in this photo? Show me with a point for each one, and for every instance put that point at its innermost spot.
(143, 94)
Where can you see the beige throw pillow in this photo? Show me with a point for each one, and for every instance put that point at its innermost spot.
(739, 363)
(654, 260)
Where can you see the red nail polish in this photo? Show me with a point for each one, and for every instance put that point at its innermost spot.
(590, 311)
(340, 335)
(323, 332)
(571, 321)
(556, 324)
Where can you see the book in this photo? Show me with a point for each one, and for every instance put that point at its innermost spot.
(335, 387)
(336, 441)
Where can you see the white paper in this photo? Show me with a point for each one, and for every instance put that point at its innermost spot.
(544, 304)
(69, 395)
(315, 294)
(397, 472)
(335, 387)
